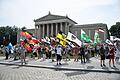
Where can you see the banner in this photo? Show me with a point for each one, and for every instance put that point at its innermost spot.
(73, 38)
(108, 42)
(96, 38)
(84, 37)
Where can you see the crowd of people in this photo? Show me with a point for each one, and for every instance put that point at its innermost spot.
(58, 52)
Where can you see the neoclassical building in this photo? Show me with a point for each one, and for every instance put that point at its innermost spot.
(50, 25)
(90, 30)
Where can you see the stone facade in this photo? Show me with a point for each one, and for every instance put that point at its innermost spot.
(90, 30)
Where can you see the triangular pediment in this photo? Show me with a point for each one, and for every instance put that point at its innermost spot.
(52, 17)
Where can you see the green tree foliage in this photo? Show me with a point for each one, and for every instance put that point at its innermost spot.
(23, 29)
(9, 34)
(115, 30)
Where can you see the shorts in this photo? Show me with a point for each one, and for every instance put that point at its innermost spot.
(59, 57)
(102, 57)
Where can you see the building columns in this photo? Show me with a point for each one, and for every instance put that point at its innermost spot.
(51, 29)
(89, 33)
(66, 27)
(43, 30)
(39, 32)
(56, 28)
(61, 27)
(104, 34)
(48, 30)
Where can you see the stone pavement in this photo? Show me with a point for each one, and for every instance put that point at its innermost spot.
(93, 65)
(12, 72)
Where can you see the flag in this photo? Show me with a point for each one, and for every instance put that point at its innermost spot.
(84, 36)
(63, 43)
(101, 30)
(47, 38)
(73, 38)
(60, 36)
(22, 33)
(108, 42)
(86, 44)
(96, 38)
(71, 44)
(62, 39)
(28, 35)
(52, 38)
(35, 40)
(112, 38)
(116, 39)
(31, 42)
(46, 41)
(10, 46)
(25, 34)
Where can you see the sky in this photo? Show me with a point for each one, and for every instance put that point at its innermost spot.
(22, 12)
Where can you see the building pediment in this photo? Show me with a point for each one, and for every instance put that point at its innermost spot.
(51, 17)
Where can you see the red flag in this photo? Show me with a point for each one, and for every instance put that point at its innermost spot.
(25, 34)
(28, 35)
(35, 40)
(22, 33)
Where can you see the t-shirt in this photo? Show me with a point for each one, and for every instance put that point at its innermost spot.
(22, 50)
(59, 50)
(53, 50)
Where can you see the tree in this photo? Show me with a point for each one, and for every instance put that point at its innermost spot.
(23, 29)
(8, 34)
(115, 30)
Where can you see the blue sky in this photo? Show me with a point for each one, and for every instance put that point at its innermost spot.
(23, 12)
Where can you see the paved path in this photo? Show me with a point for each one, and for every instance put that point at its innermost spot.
(70, 65)
(31, 73)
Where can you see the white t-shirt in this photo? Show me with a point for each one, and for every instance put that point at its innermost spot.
(53, 50)
(59, 50)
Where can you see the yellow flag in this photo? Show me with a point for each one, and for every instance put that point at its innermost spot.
(59, 36)
(63, 40)
(63, 43)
